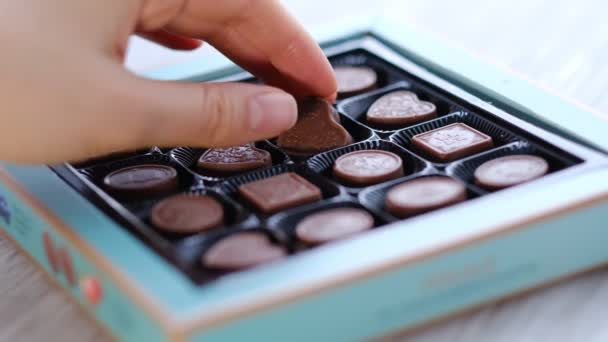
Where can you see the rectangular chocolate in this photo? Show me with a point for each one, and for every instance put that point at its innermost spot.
(452, 142)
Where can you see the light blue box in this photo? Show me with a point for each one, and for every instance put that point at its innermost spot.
(398, 277)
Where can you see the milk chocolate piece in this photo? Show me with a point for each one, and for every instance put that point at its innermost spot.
(511, 170)
(367, 167)
(280, 192)
(353, 80)
(317, 129)
(400, 107)
(452, 142)
(423, 194)
(186, 214)
(142, 181)
(333, 224)
(242, 250)
(230, 160)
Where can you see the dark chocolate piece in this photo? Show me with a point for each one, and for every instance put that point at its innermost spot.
(400, 107)
(230, 160)
(185, 214)
(353, 80)
(367, 167)
(280, 192)
(317, 130)
(333, 224)
(511, 170)
(423, 194)
(142, 181)
(452, 142)
(51, 252)
(242, 250)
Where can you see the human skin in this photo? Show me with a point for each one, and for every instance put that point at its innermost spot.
(65, 94)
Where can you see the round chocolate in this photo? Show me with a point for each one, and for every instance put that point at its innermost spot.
(333, 224)
(400, 108)
(186, 214)
(235, 159)
(511, 170)
(142, 180)
(423, 194)
(353, 80)
(367, 167)
(242, 250)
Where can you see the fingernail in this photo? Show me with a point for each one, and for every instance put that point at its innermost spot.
(272, 113)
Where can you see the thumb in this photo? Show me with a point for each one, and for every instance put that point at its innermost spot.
(169, 114)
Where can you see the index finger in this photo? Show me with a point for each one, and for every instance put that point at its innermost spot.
(264, 38)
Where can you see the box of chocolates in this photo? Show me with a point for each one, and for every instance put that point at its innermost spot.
(436, 183)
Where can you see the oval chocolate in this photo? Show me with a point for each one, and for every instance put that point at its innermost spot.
(400, 107)
(423, 194)
(367, 167)
(353, 80)
(242, 250)
(231, 160)
(333, 224)
(511, 170)
(142, 180)
(187, 214)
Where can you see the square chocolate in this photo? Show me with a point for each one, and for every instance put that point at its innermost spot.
(452, 142)
(284, 191)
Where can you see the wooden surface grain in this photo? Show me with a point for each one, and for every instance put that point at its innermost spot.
(561, 44)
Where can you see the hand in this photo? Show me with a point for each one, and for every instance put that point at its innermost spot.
(65, 94)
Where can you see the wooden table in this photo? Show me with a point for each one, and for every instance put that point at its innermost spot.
(561, 44)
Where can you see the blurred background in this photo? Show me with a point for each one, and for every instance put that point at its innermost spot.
(562, 44)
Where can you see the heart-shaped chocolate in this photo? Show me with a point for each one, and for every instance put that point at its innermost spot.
(317, 130)
(230, 160)
(242, 250)
(400, 107)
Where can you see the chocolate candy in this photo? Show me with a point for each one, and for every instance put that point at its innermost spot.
(452, 142)
(280, 192)
(353, 80)
(184, 214)
(360, 168)
(511, 170)
(142, 181)
(400, 108)
(423, 194)
(333, 224)
(242, 250)
(317, 129)
(231, 160)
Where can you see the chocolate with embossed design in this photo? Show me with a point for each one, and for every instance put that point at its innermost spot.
(367, 167)
(230, 160)
(510, 170)
(353, 80)
(452, 142)
(400, 107)
(424, 194)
